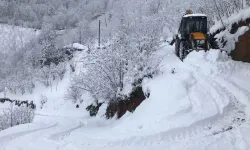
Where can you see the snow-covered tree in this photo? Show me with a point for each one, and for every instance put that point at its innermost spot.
(107, 71)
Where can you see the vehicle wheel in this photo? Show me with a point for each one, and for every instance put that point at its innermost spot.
(177, 47)
(183, 50)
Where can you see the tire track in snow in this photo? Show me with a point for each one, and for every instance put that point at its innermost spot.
(235, 96)
(8, 138)
(61, 135)
(234, 109)
(202, 127)
(241, 93)
(229, 116)
(232, 113)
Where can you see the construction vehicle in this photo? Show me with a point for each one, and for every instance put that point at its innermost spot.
(192, 35)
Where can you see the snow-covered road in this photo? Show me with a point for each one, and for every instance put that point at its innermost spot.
(204, 104)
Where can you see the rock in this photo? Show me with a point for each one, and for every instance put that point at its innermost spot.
(121, 105)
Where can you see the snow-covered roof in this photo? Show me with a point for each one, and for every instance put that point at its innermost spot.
(240, 16)
(195, 15)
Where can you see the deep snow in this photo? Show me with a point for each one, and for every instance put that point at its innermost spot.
(202, 104)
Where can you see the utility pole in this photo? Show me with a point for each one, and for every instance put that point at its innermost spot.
(99, 34)
(80, 36)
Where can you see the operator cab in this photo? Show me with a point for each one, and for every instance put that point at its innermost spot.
(191, 23)
(192, 34)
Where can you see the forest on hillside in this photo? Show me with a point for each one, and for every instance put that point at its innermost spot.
(131, 31)
(66, 14)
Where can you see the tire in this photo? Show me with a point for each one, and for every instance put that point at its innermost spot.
(177, 47)
(183, 50)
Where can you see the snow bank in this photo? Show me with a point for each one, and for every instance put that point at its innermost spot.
(237, 17)
(231, 38)
(176, 99)
(192, 94)
(217, 65)
(213, 62)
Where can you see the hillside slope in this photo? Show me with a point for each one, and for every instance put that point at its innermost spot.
(13, 38)
(199, 104)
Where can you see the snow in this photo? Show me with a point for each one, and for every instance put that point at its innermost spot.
(226, 35)
(195, 15)
(77, 46)
(232, 38)
(13, 38)
(237, 17)
(189, 109)
(56, 102)
(4, 106)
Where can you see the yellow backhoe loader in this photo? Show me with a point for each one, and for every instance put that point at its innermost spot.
(192, 35)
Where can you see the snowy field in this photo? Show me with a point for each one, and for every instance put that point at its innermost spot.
(199, 104)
